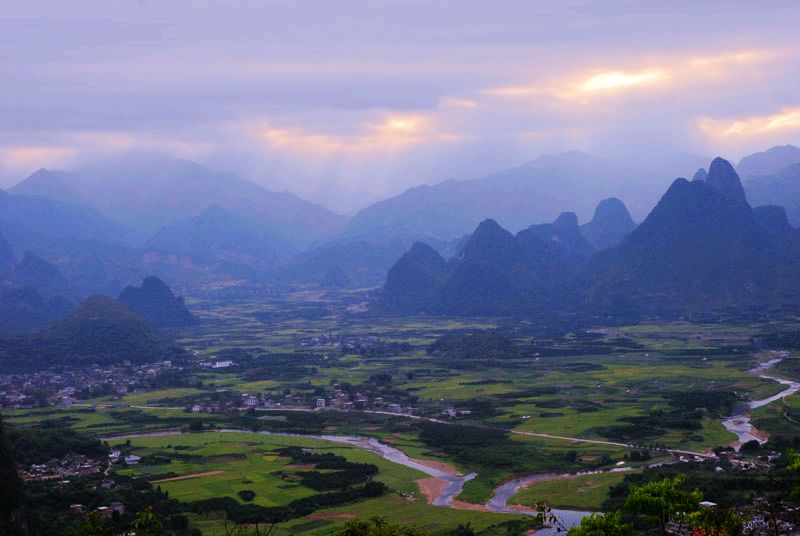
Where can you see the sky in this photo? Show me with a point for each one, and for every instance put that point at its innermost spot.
(347, 102)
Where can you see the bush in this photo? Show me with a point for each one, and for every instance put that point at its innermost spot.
(247, 495)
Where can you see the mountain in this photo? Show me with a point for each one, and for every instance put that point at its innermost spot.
(48, 281)
(495, 273)
(217, 235)
(32, 294)
(335, 278)
(58, 219)
(363, 261)
(51, 184)
(768, 162)
(100, 330)
(609, 225)
(23, 309)
(414, 280)
(148, 191)
(491, 243)
(155, 302)
(724, 179)
(537, 191)
(780, 188)
(773, 218)
(700, 175)
(75, 237)
(700, 248)
(7, 259)
(565, 233)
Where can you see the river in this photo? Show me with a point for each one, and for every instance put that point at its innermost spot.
(739, 423)
(454, 482)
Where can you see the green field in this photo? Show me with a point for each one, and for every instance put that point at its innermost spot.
(593, 384)
(583, 491)
(243, 461)
(247, 461)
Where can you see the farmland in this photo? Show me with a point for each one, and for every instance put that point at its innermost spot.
(618, 386)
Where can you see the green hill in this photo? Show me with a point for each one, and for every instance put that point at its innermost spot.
(100, 330)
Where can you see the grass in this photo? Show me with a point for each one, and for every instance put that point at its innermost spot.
(582, 492)
(248, 461)
(618, 386)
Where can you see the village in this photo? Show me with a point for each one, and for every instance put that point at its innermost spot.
(69, 386)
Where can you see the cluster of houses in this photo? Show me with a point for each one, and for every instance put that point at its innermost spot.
(218, 364)
(337, 400)
(451, 413)
(105, 511)
(66, 387)
(345, 400)
(63, 469)
(345, 342)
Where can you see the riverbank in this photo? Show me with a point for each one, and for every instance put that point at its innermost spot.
(440, 488)
(739, 423)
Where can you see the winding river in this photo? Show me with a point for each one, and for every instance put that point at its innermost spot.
(739, 423)
(454, 483)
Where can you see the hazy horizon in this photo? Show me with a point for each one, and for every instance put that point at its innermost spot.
(350, 103)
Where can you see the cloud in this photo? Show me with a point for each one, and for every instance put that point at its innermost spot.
(613, 80)
(457, 102)
(787, 119)
(372, 99)
(32, 157)
(669, 74)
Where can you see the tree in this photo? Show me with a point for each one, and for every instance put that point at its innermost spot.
(375, 526)
(663, 501)
(463, 529)
(609, 524)
(95, 524)
(716, 522)
(793, 468)
(11, 489)
(196, 425)
(147, 523)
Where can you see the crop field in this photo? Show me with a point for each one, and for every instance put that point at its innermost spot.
(625, 384)
(242, 461)
(577, 394)
(223, 464)
(582, 491)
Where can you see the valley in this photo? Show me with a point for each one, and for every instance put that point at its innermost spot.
(600, 403)
(374, 268)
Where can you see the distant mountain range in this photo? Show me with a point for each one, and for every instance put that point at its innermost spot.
(768, 162)
(35, 272)
(537, 191)
(108, 225)
(701, 248)
(149, 191)
(216, 235)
